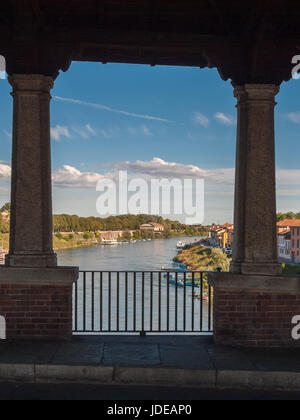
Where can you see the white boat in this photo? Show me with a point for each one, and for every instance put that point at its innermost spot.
(109, 242)
(181, 244)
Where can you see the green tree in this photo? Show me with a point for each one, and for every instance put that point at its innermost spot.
(5, 207)
(126, 235)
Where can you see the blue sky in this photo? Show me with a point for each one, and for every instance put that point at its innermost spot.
(107, 117)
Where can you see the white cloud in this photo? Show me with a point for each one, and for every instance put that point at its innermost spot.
(70, 177)
(288, 180)
(85, 131)
(5, 172)
(63, 131)
(59, 131)
(90, 129)
(143, 129)
(146, 130)
(109, 109)
(201, 119)
(81, 132)
(159, 168)
(288, 176)
(9, 135)
(108, 133)
(294, 117)
(224, 119)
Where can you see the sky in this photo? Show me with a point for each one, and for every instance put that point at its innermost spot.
(154, 122)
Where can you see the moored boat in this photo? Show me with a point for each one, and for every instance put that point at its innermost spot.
(109, 241)
(181, 244)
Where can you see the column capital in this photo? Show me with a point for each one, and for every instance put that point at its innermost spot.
(256, 92)
(35, 83)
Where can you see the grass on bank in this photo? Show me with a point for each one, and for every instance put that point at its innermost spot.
(209, 259)
(291, 268)
(203, 259)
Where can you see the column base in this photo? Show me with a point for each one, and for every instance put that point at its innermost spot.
(37, 302)
(31, 260)
(255, 310)
(260, 268)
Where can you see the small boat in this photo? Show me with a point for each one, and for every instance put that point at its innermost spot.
(181, 276)
(180, 283)
(172, 269)
(181, 244)
(109, 241)
(179, 265)
(198, 296)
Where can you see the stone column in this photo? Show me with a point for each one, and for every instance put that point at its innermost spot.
(255, 246)
(35, 294)
(254, 304)
(31, 203)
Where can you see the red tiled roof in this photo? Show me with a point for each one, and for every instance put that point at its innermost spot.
(289, 222)
(227, 225)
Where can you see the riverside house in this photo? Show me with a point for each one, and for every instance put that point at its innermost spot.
(288, 238)
(222, 235)
(152, 227)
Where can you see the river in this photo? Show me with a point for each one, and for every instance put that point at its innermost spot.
(111, 302)
(144, 256)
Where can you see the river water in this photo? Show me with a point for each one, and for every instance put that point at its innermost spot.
(111, 302)
(149, 255)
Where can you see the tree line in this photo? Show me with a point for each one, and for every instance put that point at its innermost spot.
(127, 222)
(74, 223)
(288, 215)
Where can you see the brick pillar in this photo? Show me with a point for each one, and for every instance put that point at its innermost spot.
(35, 294)
(254, 304)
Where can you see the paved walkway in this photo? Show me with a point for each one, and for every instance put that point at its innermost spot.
(185, 361)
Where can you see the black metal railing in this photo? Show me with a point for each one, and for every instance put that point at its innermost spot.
(142, 301)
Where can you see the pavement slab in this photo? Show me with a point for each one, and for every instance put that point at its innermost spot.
(181, 361)
(79, 354)
(131, 354)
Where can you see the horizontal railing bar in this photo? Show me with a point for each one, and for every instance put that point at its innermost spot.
(146, 331)
(142, 271)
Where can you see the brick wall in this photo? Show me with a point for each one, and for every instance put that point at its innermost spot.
(34, 311)
(255, 318)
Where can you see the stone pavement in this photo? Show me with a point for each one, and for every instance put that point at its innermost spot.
(181, 361)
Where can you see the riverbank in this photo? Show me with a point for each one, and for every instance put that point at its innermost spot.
(78, 240)
(67, 241)
(199, 258)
